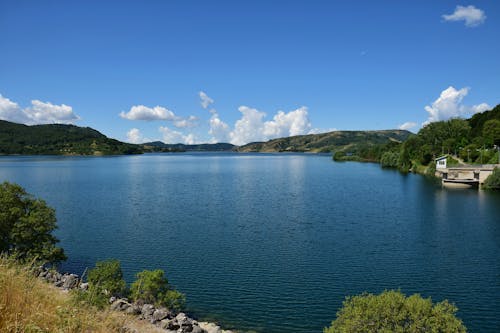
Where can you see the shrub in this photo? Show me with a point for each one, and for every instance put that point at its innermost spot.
(153, 287)
(392, 311)
(105, 280)
(493, 181)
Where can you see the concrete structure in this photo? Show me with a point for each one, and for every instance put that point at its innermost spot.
(465, 176)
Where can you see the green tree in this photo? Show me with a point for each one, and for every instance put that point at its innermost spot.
(392, 311)
(491, 132)
(153, 287)
(26, 226)
(107, 277)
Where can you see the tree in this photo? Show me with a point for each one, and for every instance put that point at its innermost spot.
(491, 132)
(153, 287)
(493, 181)
(107, 277)
(392, 311)
(26, 226)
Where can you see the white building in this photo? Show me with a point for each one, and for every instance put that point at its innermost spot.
(441, 162)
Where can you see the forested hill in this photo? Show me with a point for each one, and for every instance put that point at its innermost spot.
(158, 146)
(59, 139)
(327, 142)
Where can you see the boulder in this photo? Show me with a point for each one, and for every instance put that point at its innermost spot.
(120, 305)
(134, 309)
(70, 281)
(147, 311)
(170, 324)
(160, 314)
(84, 286)
(210, 327)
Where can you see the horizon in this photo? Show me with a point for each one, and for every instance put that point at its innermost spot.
(194, 72)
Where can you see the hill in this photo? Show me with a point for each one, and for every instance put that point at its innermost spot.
(158, 146)
(327, 142)
(59, 139)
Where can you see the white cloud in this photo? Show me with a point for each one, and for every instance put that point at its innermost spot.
(141, 112)
(406, 126)
(188, 122)
(449, 105)
(38, 113)
(252, 127)
(48, 113)
(172, 136)
(470, 14)
(219, 130)
(135, 136)
(205, 100)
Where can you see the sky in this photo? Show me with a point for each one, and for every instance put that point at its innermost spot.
(242, 71)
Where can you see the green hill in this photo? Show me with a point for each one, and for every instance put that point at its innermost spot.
(328, 142)
(158, 146)
(59, 139)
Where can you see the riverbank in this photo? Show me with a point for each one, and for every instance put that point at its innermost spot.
(41, 300)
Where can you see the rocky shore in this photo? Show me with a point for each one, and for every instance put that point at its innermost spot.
(162, 318)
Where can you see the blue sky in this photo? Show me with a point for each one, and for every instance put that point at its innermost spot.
(135, 70)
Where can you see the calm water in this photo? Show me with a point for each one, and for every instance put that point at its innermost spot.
(273, 243)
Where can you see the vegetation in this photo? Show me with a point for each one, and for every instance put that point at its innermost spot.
(472, 140)
(26, 226)
(392, 311)
(153, 287)
(158, 146)
(493, 181)
(347, 143)
(28, 304)
(58, 139)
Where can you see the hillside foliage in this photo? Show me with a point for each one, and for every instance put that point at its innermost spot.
(58, 139)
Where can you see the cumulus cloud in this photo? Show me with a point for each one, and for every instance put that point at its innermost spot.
(470, 14)
(205, 100)
(188, 122)
(172, 136)
(408, 125)
(252, 127)
(219, 130)
(449, 105)
(134, 136)
(38, 113)
(141, 112)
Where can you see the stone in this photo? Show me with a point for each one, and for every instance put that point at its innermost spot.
(84, 286)
(70, 281)
(112, 299)
(198, 329)
(134, 309)
(160, 314)
(120, 305)
(170, 324)
(147, 311)
(210, 327)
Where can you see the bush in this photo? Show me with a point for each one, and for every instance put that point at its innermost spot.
(392, 311)
(493, 181)
(105, 280)
(153, 287)
(26, 226)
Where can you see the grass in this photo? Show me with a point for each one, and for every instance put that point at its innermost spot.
(30, 305)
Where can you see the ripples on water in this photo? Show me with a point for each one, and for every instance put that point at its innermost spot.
(274, 242)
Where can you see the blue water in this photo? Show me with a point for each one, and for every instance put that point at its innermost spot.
(274, 242)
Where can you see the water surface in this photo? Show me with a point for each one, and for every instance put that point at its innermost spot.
(274, 242)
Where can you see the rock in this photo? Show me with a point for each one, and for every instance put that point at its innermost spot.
(134, 309)
(210, 327)
(198, 329)
(160, 314)
(120, 305)
(147, 311)
(112, 299)
(84, 286)
(70, 281)
(170, 324)
(58, 283)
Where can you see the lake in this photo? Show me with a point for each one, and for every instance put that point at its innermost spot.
(274, 242)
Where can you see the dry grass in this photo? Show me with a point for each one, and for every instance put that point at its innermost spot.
(28, 304)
